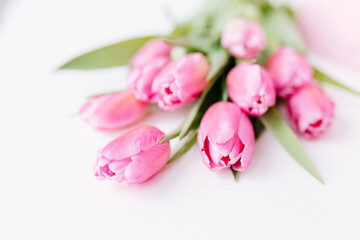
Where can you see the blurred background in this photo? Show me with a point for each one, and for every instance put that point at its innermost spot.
(47, 188)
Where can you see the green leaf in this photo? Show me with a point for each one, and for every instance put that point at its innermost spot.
(184, 42)
(218, 62)
(282, 132)
(322, 77)
(186, 147)
(191, 118)
(280, 29)
(258, 126)
(114, 55)
(224, 91)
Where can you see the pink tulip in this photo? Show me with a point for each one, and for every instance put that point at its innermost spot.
(290, 71)
(147, 63)
(331, 28)
(133, 157)
(141, 79)
(181, 81)
(152, 50)
(251, 88)
(112, 111)
(226, 137)
(311, 111)
(243, 38)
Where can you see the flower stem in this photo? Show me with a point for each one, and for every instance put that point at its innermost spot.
(186, 147)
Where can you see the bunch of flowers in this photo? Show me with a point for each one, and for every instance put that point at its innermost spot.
(239, 60)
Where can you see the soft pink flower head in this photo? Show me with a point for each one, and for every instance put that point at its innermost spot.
(152, 50)
(112, 111)
(331, 29)
(243, 38)
(251, 88)
(141, 79)
(181, 81)
(290, 71)
(133, 157)
(226, 137)
(311, 111)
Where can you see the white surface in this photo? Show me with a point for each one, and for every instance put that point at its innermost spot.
(47, 190)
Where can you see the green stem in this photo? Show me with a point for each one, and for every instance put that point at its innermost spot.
(186, 147)
(171, 135)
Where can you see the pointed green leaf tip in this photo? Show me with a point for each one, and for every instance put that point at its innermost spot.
(282, 132)
(117, 54)
(322, 77)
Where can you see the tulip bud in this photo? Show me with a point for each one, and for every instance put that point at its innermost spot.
(147, 63)
(290, 71)
(251, 88)
(311, 111)
(112, 111)
(243, 38)
(133, 157)
(226, 137)
(152, 50)
(141, 79)
(181, 81)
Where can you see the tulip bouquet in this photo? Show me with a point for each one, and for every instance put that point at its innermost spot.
(237, 60)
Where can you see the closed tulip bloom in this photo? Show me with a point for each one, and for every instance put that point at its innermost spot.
(251, 88)
(141, 79)
(112, 111)
(311, 111)
(152, 50)
(290, 71)
(226, 137)
(133, 157)
(243, 38)
(181, 81)
(147, 63)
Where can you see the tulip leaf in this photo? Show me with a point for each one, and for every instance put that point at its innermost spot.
(322, 77)
(281, 29)
(258, 126)
(224, 91)
(186, 147)
(282, 132)
(218, 61)
(184, 42)
(217, 67)
(191, 118)
(117, 54)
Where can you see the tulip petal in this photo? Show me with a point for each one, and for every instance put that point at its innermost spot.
(141, 79)
(133, 157)
(226, 137)
(181, 81)
(138, 139)
(220, 129)
(153, 49)
(247, 137)
(112, 111)
(146, 163)
(243, 38)
(311, 110)
(290, 71)
(250, 86)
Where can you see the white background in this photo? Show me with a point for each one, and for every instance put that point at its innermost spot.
(47, 188)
